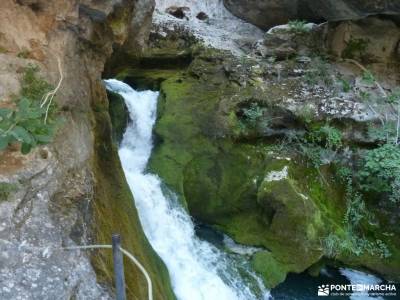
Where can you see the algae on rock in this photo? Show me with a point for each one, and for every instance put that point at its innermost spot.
(220, 171)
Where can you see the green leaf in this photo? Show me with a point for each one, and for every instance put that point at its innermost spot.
(368, 78)
(22, 135)
(34, 113)
(43, 139)
(24, 104)
(5, 113)
(4, 140)
(26, 148)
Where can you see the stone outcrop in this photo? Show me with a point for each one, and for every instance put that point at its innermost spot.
(371, 40)
(268, 13)
(224, 134)
(73, 191)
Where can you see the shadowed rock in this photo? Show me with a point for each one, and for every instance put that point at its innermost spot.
(268, 13)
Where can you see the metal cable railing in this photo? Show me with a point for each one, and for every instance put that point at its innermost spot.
(118, 265)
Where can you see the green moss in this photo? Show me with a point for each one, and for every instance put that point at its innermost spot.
(25, 54)
(355, 48)
(213, 176)
(143, 79)
(269, 268)
(325, 191)
(6, 189)
(219, 178)
(119, 116)
(218, 170)
(119, 22)
(177, 130)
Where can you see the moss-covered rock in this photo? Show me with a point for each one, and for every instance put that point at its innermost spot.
(213, 150)
(119, 115)
(270, 269)
(219, 179)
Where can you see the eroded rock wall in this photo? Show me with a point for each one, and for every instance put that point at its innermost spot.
(73, 191)
(268, 13)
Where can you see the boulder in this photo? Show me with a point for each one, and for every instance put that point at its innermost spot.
(202, 16)
(212, 150)
(265, 13)
(268, 13)
(363, 40)
(285, 41)
(337, 10)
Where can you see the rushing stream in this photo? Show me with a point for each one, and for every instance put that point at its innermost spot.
(198, 270)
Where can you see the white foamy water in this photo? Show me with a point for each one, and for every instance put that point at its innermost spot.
(198, 270)
(360, 278)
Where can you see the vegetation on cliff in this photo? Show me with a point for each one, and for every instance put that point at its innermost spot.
(225, 132)
(29, 120)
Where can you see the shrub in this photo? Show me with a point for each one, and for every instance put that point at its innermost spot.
(298, 26)
(394, 97)
(331, 244)
(25, 122)
(385, 133)
(395, 190)
(328, 136)
(252, 115)
(352, 241)
(23, 54)
(346, 85)
(355, 211)
(320, 72)
(355, 48)
(306, 114)
(33, 86)
(312, 153)
(368, 78)
(381, 169)
(353, 244)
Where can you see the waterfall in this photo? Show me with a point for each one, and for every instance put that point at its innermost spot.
(198, 270)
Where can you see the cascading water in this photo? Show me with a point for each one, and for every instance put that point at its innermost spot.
(197, 269)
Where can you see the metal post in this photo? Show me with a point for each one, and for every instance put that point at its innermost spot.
(118, 267)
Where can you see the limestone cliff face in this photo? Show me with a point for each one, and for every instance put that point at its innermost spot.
(72, 191)
(268, 13)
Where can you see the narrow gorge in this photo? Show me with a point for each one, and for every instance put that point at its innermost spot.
(243, 149)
